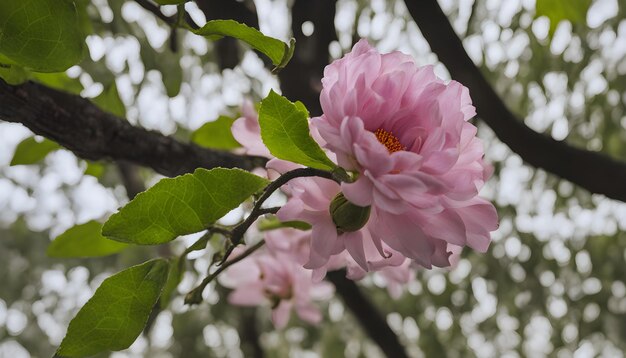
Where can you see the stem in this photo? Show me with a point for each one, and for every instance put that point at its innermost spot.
(195, 295)
(238, 232)
(170, 20)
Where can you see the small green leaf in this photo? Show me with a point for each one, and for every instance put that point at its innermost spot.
(94, 169)
(177, 269)
(32, 151)
(216, 134)
(285, 132)
(168, 64)
(557, 10)
(109, 100)
(278, 51)
(273, 223)
(181, 205)
(59, 80)
(84, 240)
(12, 73)
(42, 35)
(118, 311)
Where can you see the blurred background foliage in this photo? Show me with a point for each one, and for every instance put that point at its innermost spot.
(551, 284)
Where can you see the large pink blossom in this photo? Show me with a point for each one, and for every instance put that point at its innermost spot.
(419, 163)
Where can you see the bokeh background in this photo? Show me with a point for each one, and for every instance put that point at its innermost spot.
(551, 284)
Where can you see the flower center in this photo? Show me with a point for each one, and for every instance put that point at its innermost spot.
(389, 140)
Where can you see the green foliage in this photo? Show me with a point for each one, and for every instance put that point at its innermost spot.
(109, 100)
(84, 240)
(94, 169)
(182, 205)
(273, 223)
(11, 73)
(216, 134)
(32, 151)
(285, 132)
(171, 72)
(279, 52)
(58, 80)
(177, 269)
(557, 10)
(42, 35)
(116, 314)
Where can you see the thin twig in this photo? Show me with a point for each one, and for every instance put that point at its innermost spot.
(170, 20)
(195, 295)
(238, 232)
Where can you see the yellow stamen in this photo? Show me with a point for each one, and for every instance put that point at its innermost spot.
(389, 140)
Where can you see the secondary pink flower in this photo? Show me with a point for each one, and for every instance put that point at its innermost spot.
(275, 279)
(247, 131)
(420, 165)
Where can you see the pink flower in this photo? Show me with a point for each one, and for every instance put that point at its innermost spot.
(247, 131)
(275, 279)
(419, 164)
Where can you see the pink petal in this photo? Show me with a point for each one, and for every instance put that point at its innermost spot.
(248, 295)
(280, 314)
(354, 245)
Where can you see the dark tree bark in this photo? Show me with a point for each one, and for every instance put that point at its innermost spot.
(80, 126)
(367, 314)
(301, 79)
(593, 171)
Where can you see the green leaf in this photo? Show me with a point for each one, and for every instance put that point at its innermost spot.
(558, 10)
(109, 100)
(273, 223)
(118, 311)
(177, 269)
(32, 151)
(94, 169)
(172, 74)
(42, 35)
(12, 73)
(84, 240)
(181, 205)
(216, 134)
(59, 80)
(278, 51)
(285, 132)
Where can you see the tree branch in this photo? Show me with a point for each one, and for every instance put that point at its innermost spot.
(367, 314)
(80, 126)
(131, 179)
(301, 79)
(593, 171)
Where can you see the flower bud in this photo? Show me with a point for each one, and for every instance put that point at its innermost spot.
(347, 216)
